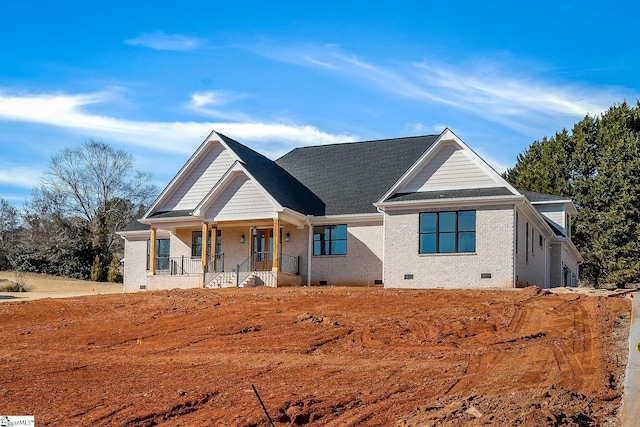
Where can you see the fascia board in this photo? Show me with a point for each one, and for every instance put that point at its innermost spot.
(570, 207)
(342, 219)
(460, 201)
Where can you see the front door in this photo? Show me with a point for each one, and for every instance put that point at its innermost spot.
(263, 249)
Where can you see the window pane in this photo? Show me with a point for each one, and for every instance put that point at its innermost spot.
(467, 242)
(447, 222)
(317, 247)
(447, 242)
(339, 247)
(428, 223)
(427, 243)
(162, 247)
(339, 232)
(467, 221)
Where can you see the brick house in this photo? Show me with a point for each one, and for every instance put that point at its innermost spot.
(416, 212)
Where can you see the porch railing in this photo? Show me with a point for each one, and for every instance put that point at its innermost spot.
(187, 265)
(260, 260)
(216, 263)
(178, 266)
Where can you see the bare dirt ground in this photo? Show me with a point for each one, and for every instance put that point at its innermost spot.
(318, 357)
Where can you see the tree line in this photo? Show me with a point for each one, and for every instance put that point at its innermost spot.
(597, 164)
(68, 226)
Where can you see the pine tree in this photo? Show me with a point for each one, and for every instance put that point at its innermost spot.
(598, 166)
(113, 275)
(97, 273)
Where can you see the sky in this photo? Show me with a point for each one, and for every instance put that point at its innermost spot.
(156, 77)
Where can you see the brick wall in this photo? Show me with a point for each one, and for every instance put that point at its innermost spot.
(361, 266)
(493, 256)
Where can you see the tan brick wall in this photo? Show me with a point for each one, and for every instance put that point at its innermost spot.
(494, 252)
(362, 264)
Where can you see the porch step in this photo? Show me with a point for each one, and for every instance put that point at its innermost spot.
(228, 280)
(223, 280)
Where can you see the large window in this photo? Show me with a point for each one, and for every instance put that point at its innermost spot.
(330, 239)
(447, 232)
(162, 254)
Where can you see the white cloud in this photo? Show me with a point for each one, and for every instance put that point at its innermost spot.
(202, 103)
(486, 89)
(19, 176)
(161, 41)
(66, 111)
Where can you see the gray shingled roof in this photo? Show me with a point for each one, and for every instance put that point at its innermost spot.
(533, 197)
(137, 226)
(283, 187)
(451, 194)
(350, 177)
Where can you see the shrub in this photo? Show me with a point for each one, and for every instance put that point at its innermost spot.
(97, 272)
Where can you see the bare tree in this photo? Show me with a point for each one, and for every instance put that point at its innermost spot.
(97, 183)
(9, 221)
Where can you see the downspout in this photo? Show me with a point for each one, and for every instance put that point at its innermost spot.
(309, 249)
(384, 239)
(514, 258)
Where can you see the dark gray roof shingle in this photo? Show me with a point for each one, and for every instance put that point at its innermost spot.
(286, 189)
(350, 177)
(451, 194)
(534, 197)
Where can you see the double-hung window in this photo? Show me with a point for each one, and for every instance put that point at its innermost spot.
(330, 239)
(447, 232)
(163, 250)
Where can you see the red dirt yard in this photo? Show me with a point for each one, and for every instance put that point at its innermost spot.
(318, 357)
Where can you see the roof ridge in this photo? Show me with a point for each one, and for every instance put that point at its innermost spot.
(364, 142)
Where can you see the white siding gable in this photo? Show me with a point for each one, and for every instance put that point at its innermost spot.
(555, 213)
(240, 199)
(199, 179)
(449, 168)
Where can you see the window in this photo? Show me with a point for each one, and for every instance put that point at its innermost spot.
(540, 240)
(447, 232)
(330, 239)
(196, 243)
(526, 244)
(162, 254)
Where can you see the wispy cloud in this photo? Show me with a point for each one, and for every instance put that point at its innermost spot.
(67, 111)
(19, 176)
(491, 90)
(214, 104)
(161, 41)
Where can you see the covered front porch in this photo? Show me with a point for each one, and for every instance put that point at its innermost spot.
(261, 252)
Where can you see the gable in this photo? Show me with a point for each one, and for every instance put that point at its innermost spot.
(450, 167)
(240, 199)
(196, 182)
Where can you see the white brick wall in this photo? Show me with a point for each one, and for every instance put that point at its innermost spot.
(135, 263)
(531, 264)
(494, 252)
(360, 267)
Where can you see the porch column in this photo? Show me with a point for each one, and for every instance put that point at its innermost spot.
(214, 239)
(276, 245)
(152, 253)
(204, 241)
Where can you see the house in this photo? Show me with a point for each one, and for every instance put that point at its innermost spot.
(414, 212)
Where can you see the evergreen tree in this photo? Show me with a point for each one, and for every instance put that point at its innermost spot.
(97, 273)
(113, 275)
(598, 166)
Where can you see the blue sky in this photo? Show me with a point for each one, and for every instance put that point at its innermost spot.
(155, 77)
